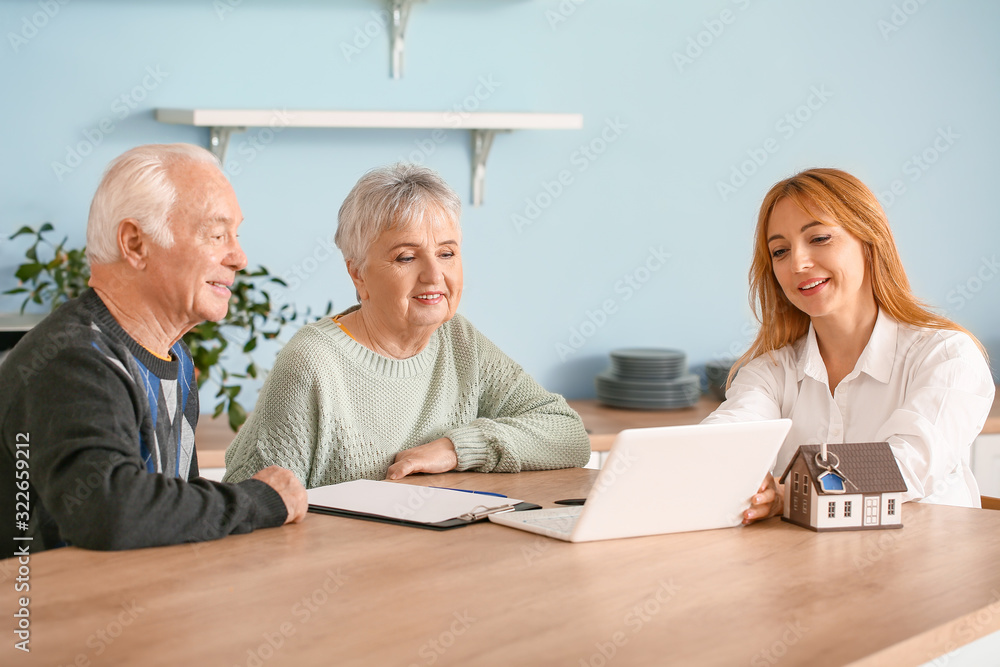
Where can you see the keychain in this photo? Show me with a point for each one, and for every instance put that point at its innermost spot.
(823, 461)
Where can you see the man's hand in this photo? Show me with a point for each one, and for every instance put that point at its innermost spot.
(436, 456)
(768, 501)
(289, 488)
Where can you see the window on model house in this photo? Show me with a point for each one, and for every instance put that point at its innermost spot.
(805, 484)
(891, 507)
(847, 509)
(831, 510)
(795, 482)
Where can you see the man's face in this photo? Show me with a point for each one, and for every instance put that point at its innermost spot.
(194, 274)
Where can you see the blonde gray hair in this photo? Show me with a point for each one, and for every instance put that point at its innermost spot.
(393, 197)
(136, 185)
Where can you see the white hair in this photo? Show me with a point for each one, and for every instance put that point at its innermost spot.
(136, 185)
(394, 197)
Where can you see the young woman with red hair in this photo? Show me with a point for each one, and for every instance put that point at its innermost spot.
(847, 352)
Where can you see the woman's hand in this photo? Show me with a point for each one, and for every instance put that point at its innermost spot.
(436, 456)
(768, 501)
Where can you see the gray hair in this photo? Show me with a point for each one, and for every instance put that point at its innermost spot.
(136, 185)
(394, 197)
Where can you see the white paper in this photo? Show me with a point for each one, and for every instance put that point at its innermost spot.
(422, 504)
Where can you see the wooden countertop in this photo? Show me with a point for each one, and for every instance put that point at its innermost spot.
(342, 591)
(602, 422)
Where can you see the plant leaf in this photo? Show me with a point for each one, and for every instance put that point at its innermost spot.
(23, 230)
(237, 415)
(27, 272)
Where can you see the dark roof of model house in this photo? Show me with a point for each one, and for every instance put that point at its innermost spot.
(869, 467)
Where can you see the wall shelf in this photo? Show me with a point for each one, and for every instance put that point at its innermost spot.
(399, 11)
(483, 126)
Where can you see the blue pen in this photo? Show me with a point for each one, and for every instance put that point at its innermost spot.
(481, 493)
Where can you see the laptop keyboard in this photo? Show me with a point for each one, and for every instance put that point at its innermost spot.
(560, 521)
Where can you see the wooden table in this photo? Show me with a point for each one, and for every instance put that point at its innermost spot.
(348, 592)
(603, 424)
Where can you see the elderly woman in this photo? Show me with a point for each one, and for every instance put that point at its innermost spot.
(401, 384)
(847, 351)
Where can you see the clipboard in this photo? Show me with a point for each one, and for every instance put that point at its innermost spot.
(409, 505)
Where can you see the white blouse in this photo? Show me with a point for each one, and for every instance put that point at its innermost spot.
(927, 392)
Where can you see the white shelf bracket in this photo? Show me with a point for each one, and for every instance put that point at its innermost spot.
(218, 141)
(400, 10)
(482, 141)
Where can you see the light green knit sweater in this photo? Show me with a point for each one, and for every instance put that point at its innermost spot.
(332, 410)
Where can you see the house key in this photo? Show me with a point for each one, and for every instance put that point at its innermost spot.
(824, 463)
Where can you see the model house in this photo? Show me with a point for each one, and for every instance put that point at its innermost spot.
(856, 487)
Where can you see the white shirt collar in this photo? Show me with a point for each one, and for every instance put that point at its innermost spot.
(878, 356)
(876, 359)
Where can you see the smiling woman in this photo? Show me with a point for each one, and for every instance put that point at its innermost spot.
(400, 383)
(847, 351)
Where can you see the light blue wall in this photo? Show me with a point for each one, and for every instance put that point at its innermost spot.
(682, 128)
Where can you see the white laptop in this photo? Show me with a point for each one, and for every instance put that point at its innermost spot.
(670, 479)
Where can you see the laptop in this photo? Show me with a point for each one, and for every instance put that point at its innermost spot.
(669, 479)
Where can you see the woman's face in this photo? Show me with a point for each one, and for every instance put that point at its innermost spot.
(819, 264)
(412, 278)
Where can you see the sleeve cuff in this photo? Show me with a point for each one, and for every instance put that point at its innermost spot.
(270, 508)
(471, 447)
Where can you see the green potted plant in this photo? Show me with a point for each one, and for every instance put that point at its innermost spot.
(54, 274)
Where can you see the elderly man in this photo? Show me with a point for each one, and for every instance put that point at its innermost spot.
(97, 439)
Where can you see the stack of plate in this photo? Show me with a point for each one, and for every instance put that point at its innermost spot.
(648, 379)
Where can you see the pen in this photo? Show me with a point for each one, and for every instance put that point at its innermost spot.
(481, 493)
